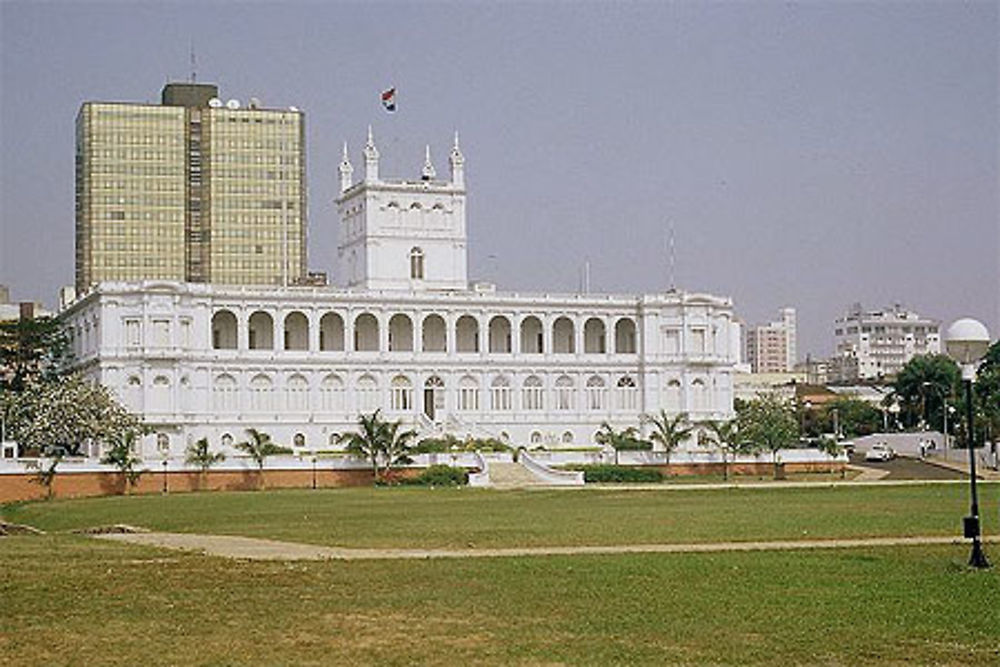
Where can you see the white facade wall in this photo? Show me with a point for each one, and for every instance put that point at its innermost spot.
(181, 355)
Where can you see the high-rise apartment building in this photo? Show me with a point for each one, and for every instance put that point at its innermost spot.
(771, 348)
(193, 189)
(877, 343)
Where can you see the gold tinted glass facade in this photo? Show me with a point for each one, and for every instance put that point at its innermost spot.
(130, 193)
(255, 196)
(189, 194)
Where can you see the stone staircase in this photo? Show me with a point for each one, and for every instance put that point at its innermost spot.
(512, 476)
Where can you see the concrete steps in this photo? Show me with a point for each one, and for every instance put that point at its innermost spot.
(512, 476)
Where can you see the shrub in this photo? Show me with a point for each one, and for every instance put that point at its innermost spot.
(439, 475)
(450, 443)
(609, 474)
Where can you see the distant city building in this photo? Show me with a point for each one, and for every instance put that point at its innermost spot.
(23, 309)
(817, 370)
(875, 344)
(771, 348)
(192, 189)
(747, 386)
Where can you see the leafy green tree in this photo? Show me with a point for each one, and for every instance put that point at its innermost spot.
(31, 351)
(855, 416)
(259, 447)
(724, 435)
(768, 422)
(617, 440)
(987, 388)
(669, 431)
(923, 386)
(378, 440)
(66, 412)
(121, 455)
(199, 454)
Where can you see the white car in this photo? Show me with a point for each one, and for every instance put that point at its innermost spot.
(880, 452)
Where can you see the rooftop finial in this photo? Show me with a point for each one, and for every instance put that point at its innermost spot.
(457, 161)
(428, 172)
(346, 171)
(371, 157)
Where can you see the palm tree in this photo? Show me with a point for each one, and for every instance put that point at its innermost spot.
(617, 440)
(379, 440)
(669, 432)
(259, 447)
(724, 434)
(120, 455)
(198, 454)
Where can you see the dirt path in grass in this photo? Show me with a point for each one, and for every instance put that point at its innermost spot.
(259, 549)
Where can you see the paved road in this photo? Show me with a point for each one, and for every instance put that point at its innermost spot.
(907, 468)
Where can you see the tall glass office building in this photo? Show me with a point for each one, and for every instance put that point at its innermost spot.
(194, 189)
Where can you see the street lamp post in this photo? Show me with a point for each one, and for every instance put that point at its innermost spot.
(164, 474)
(967, 341)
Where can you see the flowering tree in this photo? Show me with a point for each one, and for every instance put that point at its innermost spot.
(66, 412)
(31, 350)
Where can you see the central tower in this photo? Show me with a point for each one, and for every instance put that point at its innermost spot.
(400, 234)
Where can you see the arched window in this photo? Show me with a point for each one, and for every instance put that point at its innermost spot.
(597, 393)
(500, 393)
(261, 389)
(467, 334)
(532, 397)
(567, 437)
(531, 336)
(400, 333)
(536, 438)
(224, 330)
(224, 393)
(434, 399)
(227, 440)
(366, 333)
(627, 396)
(297, 393)
(296, 331)
(261, 333)
(672, 396)
(299, 440)
(594, 338)
(564, 393)
(625, 336)
(416, 264)
(468, 394)
(563, 336)
(367, 393)
(434, 337)
(331, 332)
(401, 398)
(331, 391)
(699, 395)
(163, 443)
(499, 334)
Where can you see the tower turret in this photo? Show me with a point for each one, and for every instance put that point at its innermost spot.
(371, 158)
(346, 171)
(428, 173)
(457, 161)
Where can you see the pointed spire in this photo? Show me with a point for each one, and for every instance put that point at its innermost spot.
(371, 157)
(457, 161)
(346, 171)
(428, 172)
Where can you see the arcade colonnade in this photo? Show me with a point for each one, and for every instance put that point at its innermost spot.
(302, 363)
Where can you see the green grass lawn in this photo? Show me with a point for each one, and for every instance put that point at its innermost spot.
(411, 517)
(68, 599)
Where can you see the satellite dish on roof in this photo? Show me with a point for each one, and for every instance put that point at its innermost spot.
(215, 103)
(233, 104)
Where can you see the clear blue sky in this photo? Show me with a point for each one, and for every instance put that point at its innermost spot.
(810, 154)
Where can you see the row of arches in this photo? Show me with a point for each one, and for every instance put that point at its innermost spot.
(365, 334)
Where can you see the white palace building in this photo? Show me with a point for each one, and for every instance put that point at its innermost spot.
(404, 332)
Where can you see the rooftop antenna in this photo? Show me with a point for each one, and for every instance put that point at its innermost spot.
(194, 74)
(672, 266)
